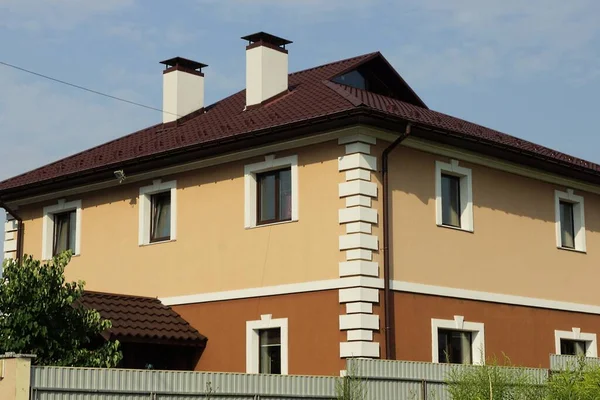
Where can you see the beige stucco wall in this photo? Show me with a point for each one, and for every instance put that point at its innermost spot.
(513, 247)
(14, 383)
(213, 250)
(512, 250)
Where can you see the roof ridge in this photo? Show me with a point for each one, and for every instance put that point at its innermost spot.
(356, 58)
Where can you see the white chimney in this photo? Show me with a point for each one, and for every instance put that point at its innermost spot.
(266, 68)
(183, 88)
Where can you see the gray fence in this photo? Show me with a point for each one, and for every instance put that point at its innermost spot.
(381, 379)
(559, 363)
(413, 380)
(56, 383)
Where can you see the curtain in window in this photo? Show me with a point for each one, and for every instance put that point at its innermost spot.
(161, 216)
(61, 233)
(270, 351)
(451, 200)
(466, 348)
(285, 194)
(567, 225)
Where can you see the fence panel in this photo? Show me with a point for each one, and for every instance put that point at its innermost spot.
(559, 363)
(56, 383)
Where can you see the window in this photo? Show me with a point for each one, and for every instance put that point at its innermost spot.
(271, 191)
(267, 346)
(161, 217)
(61, 228)
(575, 343)
(567, 227)
(454, 196)
(64, 232)
(274, 196)
(572, 347)
(270, 351)
(457, 341)
(454, 347)
(450, 200)
(570, 222)
(353, 78)
(157, 212)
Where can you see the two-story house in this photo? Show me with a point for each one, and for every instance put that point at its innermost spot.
(326, 214)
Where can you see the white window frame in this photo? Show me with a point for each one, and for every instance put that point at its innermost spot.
(466, 193)
(459, 324)
(576, 334)
(48, 226)
(145, 209)
(253, 329)
(250, 186)
(578, 219)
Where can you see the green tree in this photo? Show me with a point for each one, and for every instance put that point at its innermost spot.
(40, 314)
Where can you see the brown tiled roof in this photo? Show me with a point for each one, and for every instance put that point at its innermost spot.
(142, 319)
(312, 95)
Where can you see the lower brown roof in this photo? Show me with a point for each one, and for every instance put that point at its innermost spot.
(142, 319)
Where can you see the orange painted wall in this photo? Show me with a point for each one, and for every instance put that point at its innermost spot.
(314, 336)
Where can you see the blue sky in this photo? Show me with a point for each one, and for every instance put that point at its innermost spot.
(528, 68)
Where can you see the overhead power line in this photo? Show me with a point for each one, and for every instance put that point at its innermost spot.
(85, 89)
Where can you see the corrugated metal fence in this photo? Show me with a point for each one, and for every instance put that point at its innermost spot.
(559, 363)
(412, 380)
(382, 380)
(56, 383)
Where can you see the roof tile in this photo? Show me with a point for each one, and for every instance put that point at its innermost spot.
(141, 318)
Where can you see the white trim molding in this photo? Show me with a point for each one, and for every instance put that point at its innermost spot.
(145, 209)
(578, 218)
(576, 334)
(419, 288)
(253, 342)
(459, 324)
(48, 226)
(357, 282)
(271, 163)
(466, 193)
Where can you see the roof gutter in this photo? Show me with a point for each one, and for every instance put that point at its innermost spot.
(19, 229)
(388, 304)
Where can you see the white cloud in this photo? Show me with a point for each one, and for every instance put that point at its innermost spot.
(464, 41)
(36, 15)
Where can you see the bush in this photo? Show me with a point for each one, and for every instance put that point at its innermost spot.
(494, 382)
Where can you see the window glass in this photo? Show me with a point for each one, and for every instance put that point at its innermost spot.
(450, 200)
(454, 347)
(285, 194)
(567, 226)
(572, 347)
(270, 351)
(267, 188)
(274, 196)
(160, 217)
(64, 232)
(352, 78)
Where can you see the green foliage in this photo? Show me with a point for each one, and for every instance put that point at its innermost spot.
(494, 382)
(579, 381)
(351, 386)
(39, 314)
